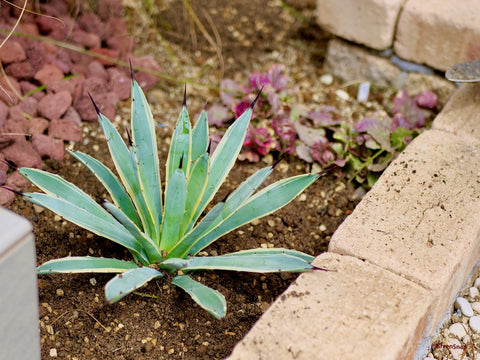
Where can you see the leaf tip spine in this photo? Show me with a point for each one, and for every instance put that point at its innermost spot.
(185, 96)
(132, 75)
(97, 109)
(13, 190)
(252, 105)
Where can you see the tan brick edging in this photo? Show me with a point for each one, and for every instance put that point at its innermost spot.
(398, 260)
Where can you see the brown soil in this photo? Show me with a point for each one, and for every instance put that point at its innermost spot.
(161, 322)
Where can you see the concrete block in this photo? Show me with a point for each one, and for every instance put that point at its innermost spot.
(353, 63)
(439, 33)
(368, 22)
(420, 220)
(19, 334)
(355, 311)
(461, 115)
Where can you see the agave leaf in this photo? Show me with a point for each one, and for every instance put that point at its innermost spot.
(197, 182)
(123, 284)
(56, 186)
(145, 144)
(85, 264)
(266, 201)
(180, 147)
(245, 190)
(274, 251)
(126, 169)
(150, 247)
(209, 220)
(209, 299)
(111, 183)
(262, 263)
(101, 224)
(224, 157)
(175, 197)
(200, 136)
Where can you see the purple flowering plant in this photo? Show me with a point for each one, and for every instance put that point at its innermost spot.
(359, 148)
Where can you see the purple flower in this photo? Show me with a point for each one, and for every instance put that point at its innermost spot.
(240, 108)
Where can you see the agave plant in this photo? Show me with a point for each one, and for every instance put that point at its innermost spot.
(165, 231)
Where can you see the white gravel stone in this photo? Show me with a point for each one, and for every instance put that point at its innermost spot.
(476, 307)
(474, 292)
(474, 323)
(342, 95)
(464, 306)
(458, 330)
(456, 348)
(326, 79)
(477, 283)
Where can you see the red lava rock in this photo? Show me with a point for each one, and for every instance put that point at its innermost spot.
(16, 114)
(95, 69)
(115, 26)
(29, 105)
(53, 106)
(122, 43)
(47, 146)
(29, 28)
(64, 64)
(72, 115)
(3, 166)
(119, 83)
(9, 90)
(22, 153)
(86, 39)
(6, 197)
(109, 8)
(37, 125)
(11, 52)
(4, 109)
(145, 80)
(3, 176)
(91, 23)
(73, 85)
(16, 181)
(111, 53)
(19, 127)
(65, 130)
(5, 140)
(49, 24)
(20, 70)
(56, 8)
(48, 73)
(35, 53)
(28, 87)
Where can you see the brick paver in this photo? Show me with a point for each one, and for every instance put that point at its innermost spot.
(439, 33)
(421, 218)
(368, 22)
(355, 311)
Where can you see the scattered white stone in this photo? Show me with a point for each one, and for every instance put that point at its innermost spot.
(342, 95)
(474, 323)
(322, 228)
(326, 79)
(474, 292)
(456, 348)
(477, 283)
(476, 307)
(458, 330)
(464, 306)
(53, 352)
(93, 281)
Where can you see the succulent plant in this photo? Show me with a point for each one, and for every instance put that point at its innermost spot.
(164, 230)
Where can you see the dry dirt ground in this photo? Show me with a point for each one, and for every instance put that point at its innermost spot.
(161, 322)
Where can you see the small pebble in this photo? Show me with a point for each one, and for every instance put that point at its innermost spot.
(477, 283)
(93, 281)
(476, 307)
(474, 292)
(53, 352)
(60, 292)
(326, 79)
(458, 330)
(455, 347)
(322, 227)
(342, 95)
(464, 306)
(474, 323)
